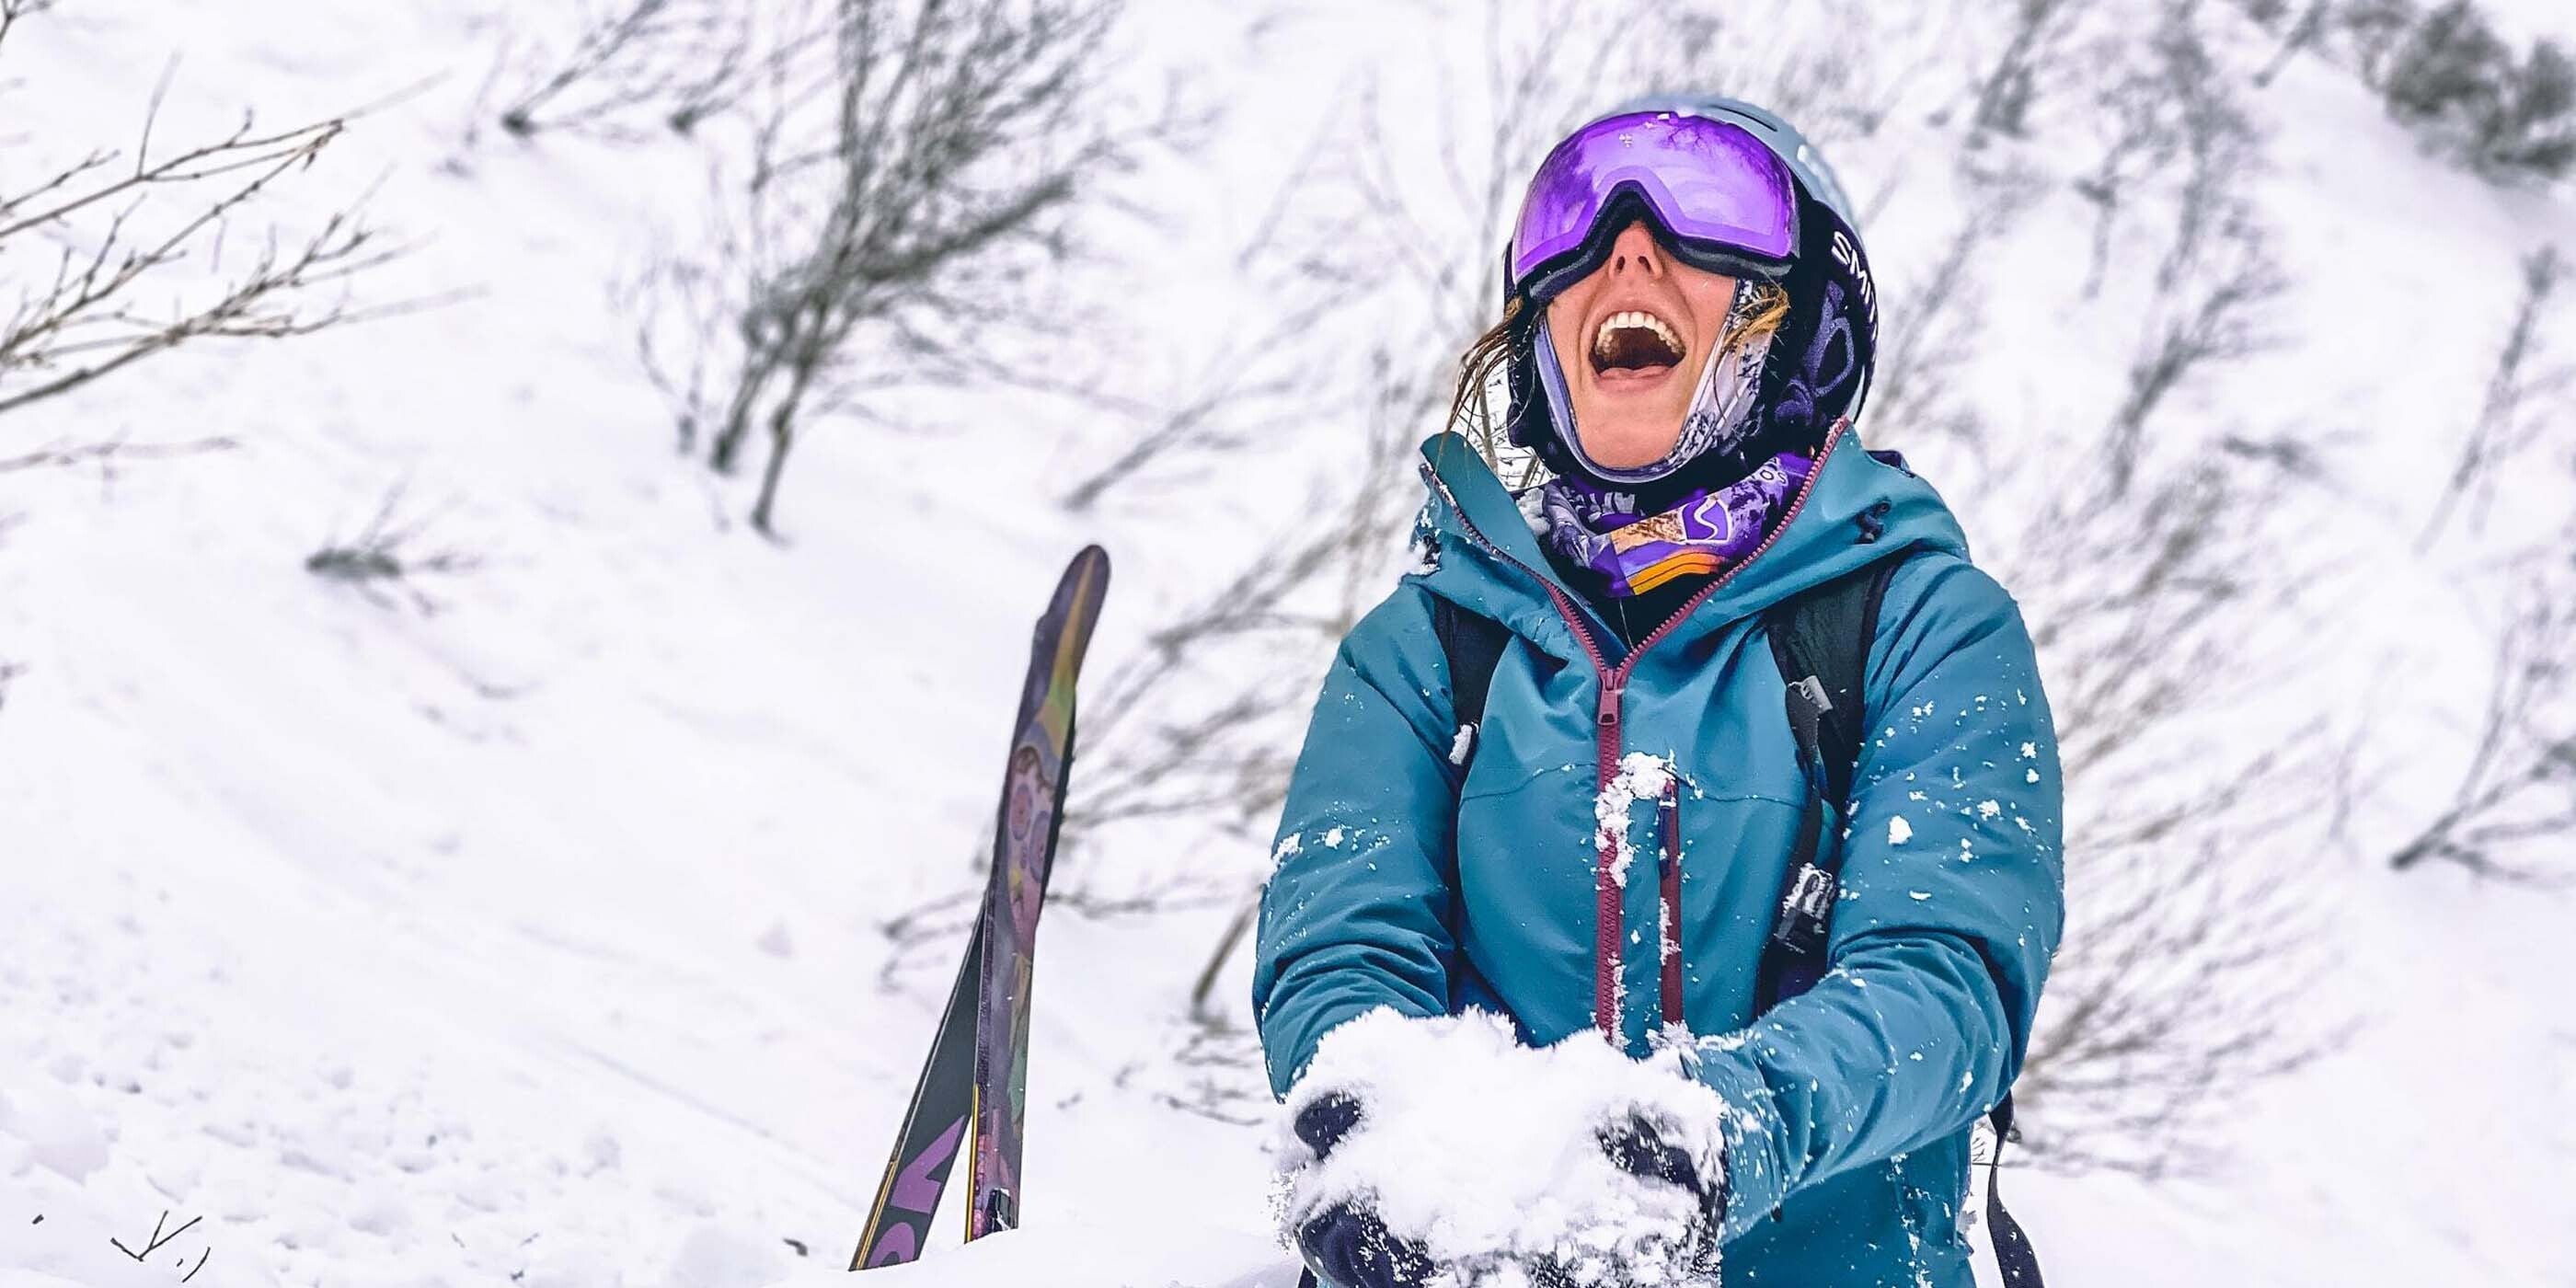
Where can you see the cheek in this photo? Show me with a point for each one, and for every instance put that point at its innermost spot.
(1711, 306)
(1563, 321)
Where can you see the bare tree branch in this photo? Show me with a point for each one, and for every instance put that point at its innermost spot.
(2519, 788)
(884, 227)
(13, 10)
(86, 320)
(2012, 85)
(64, 454)
(2501, 431)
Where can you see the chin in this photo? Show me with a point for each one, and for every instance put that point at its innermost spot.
(1628, 450)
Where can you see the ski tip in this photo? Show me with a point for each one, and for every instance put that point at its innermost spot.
(1092, 562)
(1076, 607)
(1086, 576)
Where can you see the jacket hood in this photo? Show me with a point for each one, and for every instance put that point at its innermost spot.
(1858, 507)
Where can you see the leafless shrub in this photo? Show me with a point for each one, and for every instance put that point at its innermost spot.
(2130, 1075)
(2450, 76)
(2151, 579)
(673, 63)
(1205, 1074)
(2304, 33)
(1258, 381)
(1935, 326)
(2176, 988)
(2515, 800)
(917, 935)
(2211, 315)
(1257, 638)
(98, 223)
(604, 43)
(2183, 952)
(2454, 79)
(2518, 794)
(885, 226)
(385, 557)
(2171, 121)
(2143, 581)
(13, 10)
(2503, 429)
(2147, 552)
(2371, 31)
(2175, 134)
(2011, 86)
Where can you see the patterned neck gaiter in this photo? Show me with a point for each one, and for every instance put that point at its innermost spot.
(1600, 531)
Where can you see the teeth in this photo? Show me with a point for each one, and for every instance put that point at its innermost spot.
(1635, 318)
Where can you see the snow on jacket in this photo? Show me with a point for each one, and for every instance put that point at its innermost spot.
(1404, 881)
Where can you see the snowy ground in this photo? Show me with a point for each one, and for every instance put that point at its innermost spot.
(535, 935)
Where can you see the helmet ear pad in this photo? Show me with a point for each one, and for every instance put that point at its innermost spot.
(1528, 422)
(1820, 364)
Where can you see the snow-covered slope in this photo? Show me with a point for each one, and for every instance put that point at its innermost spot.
(534, 933)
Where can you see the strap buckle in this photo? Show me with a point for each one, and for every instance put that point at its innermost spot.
(1805, 910)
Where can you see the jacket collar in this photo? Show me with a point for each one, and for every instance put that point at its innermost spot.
(1860, 506)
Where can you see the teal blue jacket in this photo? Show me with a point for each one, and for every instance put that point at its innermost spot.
(1404, 881)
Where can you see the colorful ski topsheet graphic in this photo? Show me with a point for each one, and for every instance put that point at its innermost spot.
(934, 1129)
(944, 1118)
(1023, 851)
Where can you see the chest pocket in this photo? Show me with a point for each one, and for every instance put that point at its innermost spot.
(1549, 732)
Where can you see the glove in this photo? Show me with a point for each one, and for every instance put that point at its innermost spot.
(1323, 1123)
(1352, 1248)
(1348, 1243)
(1640, 1150)
(1643, 1150)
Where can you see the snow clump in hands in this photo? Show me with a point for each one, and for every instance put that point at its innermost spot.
(1497, 1160)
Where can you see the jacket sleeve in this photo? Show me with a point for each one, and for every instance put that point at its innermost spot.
(1357, 912)
(1952, 903)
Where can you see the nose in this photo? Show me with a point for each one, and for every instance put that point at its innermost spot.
(1636, 251)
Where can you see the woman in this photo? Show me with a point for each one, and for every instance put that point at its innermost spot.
(1687, 331)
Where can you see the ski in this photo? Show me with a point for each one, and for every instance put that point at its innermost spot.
(975, 1095)
(933, 1128)
(1023, 853)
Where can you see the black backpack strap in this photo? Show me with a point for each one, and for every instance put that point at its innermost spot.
(1473, 643)
(2014, 1256)
(1820, 637)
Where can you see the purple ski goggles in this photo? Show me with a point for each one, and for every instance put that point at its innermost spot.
(1722, 200)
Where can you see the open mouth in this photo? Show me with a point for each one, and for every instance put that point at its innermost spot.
(1633, 345)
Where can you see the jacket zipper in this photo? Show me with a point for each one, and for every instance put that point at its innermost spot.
(1668, 949)
(1609, 921)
